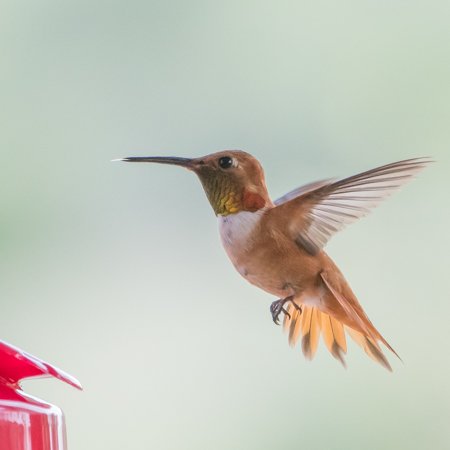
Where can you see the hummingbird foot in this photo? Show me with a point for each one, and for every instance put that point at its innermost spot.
(277, 307)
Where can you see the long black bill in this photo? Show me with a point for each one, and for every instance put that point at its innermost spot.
(173, 160)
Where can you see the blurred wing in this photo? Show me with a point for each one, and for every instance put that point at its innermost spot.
(322, 209)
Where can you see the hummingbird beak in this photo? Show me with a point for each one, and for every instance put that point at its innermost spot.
(188, 163)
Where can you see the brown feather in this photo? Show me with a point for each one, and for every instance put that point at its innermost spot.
(310, 332)
(334, 337)
(353, 316)
(295, 327)
(292, 323)
(370, 347)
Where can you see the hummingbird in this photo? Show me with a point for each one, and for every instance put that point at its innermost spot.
(278, 245)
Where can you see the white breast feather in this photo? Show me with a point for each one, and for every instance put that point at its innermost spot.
(235, 229)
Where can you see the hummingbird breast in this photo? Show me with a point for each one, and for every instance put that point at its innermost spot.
(265, 256)
(237, 231)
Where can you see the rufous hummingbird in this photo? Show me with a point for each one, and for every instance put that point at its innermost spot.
(278, 245)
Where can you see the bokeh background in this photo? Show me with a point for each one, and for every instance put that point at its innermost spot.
(114, 272)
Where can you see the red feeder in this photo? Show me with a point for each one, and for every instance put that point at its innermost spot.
(27, 423)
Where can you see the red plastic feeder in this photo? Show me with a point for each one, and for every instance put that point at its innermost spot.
(27, 423)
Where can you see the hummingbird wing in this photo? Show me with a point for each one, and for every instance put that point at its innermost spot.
(303, 190)
(317, 211)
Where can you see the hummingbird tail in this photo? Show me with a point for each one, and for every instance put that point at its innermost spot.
(345, 306)
(371, 347)
(311, 323)
(342, 314)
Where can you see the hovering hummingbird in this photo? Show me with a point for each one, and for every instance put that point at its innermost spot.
(278, 245)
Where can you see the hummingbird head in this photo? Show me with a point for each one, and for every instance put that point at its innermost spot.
(233, 180)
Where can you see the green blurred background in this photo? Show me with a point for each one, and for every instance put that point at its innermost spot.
(115, 273)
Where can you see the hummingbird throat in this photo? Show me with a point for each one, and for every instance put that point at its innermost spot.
(226, 202)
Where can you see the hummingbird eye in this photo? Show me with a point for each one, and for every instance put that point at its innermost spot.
(225, 162)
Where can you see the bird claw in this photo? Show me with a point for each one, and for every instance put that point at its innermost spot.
(277, 307)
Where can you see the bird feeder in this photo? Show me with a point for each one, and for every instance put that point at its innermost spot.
(27, 423)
